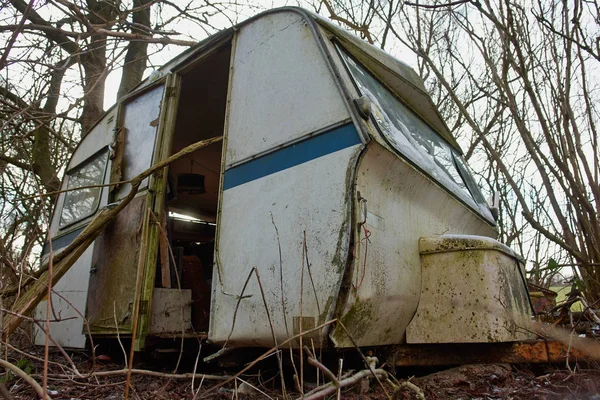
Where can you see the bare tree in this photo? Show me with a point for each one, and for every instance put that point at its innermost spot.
(517, 84)
(55, 58)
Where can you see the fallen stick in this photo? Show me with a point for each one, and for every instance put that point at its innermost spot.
(63, 261)
(21, 374)
(134, 371)
(408, 385)
(331, 387)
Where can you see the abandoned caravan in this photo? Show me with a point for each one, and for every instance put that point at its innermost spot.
(336, 179)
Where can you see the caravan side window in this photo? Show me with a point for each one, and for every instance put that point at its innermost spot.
(82, 203)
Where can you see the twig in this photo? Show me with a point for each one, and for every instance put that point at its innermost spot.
(339, 388)
(169, 247)
(312, 282)
(267, 354)
(363, 358)
(117, 329)
(194, 373)
(87, 328)
(255, 388)
(434, 6)
(16, 33)
(21, 374)
(235, 311)
(34, 357)
(47, 325)
(408, 385)
(330, 388)
(326, 371)
(312, 343)
(254, 271)
(296, 380)
(262, 293)
(145, 372)
(300, 323)
(287, 331)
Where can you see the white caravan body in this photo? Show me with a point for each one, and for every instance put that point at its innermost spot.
(333, 195)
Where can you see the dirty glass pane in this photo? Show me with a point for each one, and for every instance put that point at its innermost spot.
(140, 120)
(82, 203)
(467, 176)
(414, 139)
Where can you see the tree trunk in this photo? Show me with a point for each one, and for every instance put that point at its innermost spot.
(137, 51)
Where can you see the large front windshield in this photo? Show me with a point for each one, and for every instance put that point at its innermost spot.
(416, 140)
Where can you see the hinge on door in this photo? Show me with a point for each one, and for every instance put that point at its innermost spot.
(171, 91)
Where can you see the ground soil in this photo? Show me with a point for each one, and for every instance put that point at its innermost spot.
(490, 381)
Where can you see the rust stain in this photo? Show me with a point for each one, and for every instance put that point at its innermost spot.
(529, 352)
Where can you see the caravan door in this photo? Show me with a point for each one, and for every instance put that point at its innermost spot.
(119, 263)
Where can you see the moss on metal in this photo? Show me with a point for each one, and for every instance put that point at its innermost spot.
(358, 320)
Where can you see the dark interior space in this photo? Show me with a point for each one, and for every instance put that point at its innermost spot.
(193, 185)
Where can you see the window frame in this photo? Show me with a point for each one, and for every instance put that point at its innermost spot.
(478, 205)
(102, 152)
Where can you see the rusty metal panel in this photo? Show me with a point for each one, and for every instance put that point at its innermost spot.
(542, 299)
(114, 269)
(171, 311)
(535, 352)
(473, 290)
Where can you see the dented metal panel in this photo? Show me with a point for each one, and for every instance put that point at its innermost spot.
(281, 87)
(262, 225)
(402, 204)
(289, 159)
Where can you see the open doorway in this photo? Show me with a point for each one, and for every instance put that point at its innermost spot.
(193, 185)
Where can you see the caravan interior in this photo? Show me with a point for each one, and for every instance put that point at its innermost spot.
(193, 183)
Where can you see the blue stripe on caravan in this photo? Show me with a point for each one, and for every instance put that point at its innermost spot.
(62, 241)
(317, 146)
